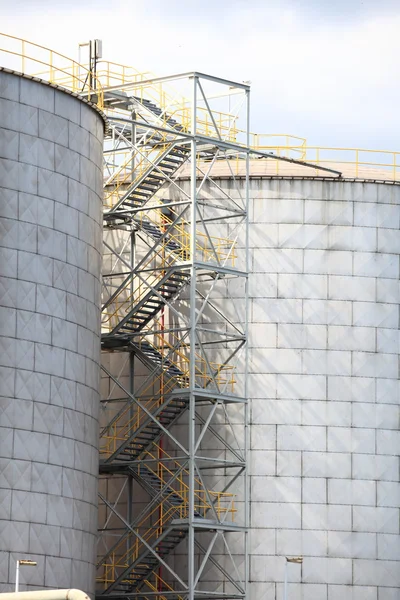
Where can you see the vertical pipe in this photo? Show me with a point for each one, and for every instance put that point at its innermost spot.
(133, 142)
(90, 67)
(23, 57)
(131, 355)
(246, 366)
(51, 70)
(285, 583)
(129, 513)
(192, 338)
(17, 577)
(162, 399)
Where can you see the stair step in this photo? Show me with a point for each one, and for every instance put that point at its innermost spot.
(170, 159)
(170, 411)
(147, 188)
(142, 196)
(179, 153)
(166, 166)
(156, 176)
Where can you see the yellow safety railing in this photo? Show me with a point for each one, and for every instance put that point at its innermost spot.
(211, 249)
(178, 354)
(282, 144)
(114, 74)
(129, 296)
(362, 163)
(357, 162)
(208, 249)
(130, 547)
(134, 165)
(223, 503)
(131, 418)
(38, 61)
(157, 585)
(171, 103)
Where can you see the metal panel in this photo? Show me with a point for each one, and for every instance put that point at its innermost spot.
(48, 446)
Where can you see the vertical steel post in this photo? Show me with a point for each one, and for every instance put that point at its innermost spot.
(133, 142)
(17, 577)
(129, 513)
(90, 66)
(192, 338)
(285, 583)
(246, 368)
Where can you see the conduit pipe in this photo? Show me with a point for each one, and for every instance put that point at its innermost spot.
(46, 595)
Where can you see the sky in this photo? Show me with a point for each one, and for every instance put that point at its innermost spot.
(325, 70)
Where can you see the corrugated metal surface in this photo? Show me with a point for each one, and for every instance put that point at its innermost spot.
(324, 388)
(50, 253)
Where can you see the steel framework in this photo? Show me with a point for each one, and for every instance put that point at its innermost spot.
(173, 443)
(174, 421)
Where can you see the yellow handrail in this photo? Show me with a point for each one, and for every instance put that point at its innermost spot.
(24, 56)
(129, 548)
(171, 103)
(126, 423)
(159, 584)
(358, 163)
(221, 251)
(178, 355)
(156, 587)
(385, 164)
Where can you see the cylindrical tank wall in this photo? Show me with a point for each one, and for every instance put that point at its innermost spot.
(324, 358)
(50, 253)
(323, 386)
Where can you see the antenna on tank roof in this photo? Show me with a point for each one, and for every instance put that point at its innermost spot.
(95, 52)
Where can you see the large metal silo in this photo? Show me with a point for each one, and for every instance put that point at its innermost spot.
(323, 380)
(50, 254)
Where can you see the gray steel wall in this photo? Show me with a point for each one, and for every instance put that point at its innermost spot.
(324, 360)
(323, 385)
(50, 254)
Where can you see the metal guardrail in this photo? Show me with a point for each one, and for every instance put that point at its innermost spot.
(35, 60)
(283, 145)
(38, 61)
(357, 163)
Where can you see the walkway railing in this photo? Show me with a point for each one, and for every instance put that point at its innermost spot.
(35, 60)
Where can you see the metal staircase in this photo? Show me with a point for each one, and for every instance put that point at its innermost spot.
(147, 432)
(151, 131)
(156, 110)
(167, 288)
(167, 480)
(157, 234)
(150, 354)
(168, 154)
(131, 197)
(133, 318)
(147, 563)
(170, 158)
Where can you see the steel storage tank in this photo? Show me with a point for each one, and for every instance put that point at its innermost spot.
(50, 253)
(323, 380)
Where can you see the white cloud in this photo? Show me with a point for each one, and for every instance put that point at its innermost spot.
(333, 81)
